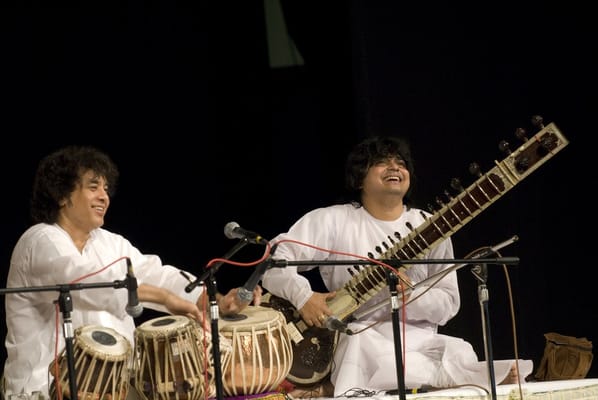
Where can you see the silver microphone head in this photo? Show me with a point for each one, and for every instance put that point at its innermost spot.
(229, 230)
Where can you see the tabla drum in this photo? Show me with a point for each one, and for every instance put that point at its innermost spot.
(101, 359)
(173, 359)
(261, 351)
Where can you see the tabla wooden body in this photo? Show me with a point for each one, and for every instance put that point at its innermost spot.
(261, 351)
(101, 358)
(173, 356)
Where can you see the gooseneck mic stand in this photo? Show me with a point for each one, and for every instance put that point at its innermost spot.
(209, 277)
(65, 303)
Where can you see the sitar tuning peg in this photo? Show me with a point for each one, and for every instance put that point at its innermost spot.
(456, 185)
(439, 201)
(503, 146)
(521, 134)
(538, 121)
(474, 169)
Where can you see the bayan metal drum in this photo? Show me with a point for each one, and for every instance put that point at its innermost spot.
(101, 360)
(261, 351)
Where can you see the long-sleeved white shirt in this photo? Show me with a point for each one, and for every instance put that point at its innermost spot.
(45, 255)
(345, 228)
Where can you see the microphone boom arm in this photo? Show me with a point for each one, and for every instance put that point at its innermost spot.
(431, 281)
(206, 274)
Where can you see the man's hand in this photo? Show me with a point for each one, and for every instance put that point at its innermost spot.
(231, 304)
(315, 311)
(174, 304)
(179, 306)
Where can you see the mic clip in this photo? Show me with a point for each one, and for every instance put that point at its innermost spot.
(335, 324)
(480, 271)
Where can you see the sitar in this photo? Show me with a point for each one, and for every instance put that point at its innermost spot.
(313, 347)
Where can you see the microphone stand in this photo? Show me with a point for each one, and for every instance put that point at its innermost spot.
(212, 290)
(209, 276)
(393, 280)
(65, 303)
(480, 272)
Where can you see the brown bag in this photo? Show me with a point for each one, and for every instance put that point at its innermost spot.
(565, 357)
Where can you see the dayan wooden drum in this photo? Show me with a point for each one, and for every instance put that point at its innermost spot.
(173, 357)
(101, 358)
(261, 351)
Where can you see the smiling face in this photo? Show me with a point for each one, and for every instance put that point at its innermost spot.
(379, 166)
(86, 206)
(387, 177)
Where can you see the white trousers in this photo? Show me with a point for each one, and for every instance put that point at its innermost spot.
(367, 361)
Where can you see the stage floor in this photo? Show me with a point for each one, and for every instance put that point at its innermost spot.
(579, 389)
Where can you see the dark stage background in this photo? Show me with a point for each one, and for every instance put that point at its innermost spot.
(207, 128)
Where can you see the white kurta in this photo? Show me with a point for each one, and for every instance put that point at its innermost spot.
(367, 360)
(45, 255)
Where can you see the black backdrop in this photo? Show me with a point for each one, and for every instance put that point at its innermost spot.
(205, 131)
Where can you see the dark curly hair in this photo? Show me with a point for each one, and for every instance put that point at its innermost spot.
(370, 151)
(57, 176)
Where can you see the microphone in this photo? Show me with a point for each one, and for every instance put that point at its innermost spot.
(134, 309)
(232, 230)
(245, 292)
(493, 250)
(335, 324)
